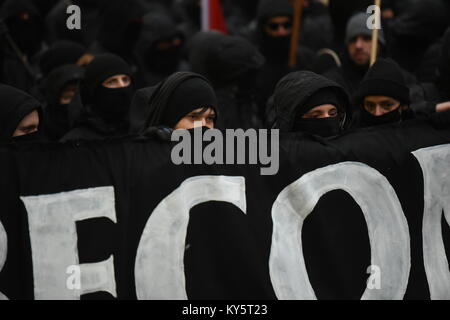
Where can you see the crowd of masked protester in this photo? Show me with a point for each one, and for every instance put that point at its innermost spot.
(138, 67)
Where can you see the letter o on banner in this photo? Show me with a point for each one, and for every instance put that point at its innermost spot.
(436, 177)
(387, 226)
(159, 268)
(3, 251)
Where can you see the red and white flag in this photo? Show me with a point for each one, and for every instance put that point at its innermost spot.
(212, 16)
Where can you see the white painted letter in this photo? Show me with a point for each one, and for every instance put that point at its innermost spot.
(435, 163)
(387, 225)
(74, 21)
(159, 269)
(54, 242)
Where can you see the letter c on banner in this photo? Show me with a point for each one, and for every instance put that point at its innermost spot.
(387, 225)
(3, 252)
(436, 177)
(159, 269)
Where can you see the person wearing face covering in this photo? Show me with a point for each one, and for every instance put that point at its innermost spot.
(21, 21)
(311, 104)
(159, 49)
(178, 102)
(20, 116)
(273, 38)
(60, 53)
(383, 96)
(231, 63)
(106, 93)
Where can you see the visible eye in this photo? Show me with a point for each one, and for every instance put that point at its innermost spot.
(333, 113)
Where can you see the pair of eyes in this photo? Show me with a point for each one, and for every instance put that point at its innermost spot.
(386, 105)
(332, 113)
(126, 81)
(194, 117)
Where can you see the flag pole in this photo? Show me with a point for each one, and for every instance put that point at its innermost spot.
(373, 56)
(298, 10)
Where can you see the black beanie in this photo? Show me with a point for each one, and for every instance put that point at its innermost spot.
(273, 8)
(101, 68)
(59, 54)
(327, 95)
(191, 94)
(384, 78)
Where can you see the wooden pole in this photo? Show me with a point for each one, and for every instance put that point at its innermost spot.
(298, 10)
(373, 56)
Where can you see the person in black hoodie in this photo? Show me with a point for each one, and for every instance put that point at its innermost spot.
(383, 96)
(59, 54)
(21, 39)
(159, 49)
(178, 102)
(309, 103)
(20, 116)
(106, 92)
(273, 38)
(231, 64)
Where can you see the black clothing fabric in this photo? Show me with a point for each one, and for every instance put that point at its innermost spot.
(59, 54)
(106, 109)
(384, 78)
(155, 65)
(169, 101)
(14, 106)
(231, 64)
(60, 118)
(293, 92)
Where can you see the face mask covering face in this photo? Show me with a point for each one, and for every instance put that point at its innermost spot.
(369, 120)
(113, 104)
(32, 137)
(323, 127)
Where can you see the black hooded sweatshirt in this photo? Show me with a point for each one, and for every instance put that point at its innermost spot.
(153, 65)
(14, 106)
(276, 50)
(105, 109)
(163, 105)
(60, 118)
(27, 35)
(231, 64)
(293, 92)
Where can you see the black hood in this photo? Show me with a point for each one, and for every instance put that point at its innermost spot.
(14, 106)
(155, 26)
(149, 105)
(295, 89)
(223, 59)
(53, 84)
(272, 8)
(27, 34)
(59, 54)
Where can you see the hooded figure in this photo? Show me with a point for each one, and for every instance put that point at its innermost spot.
(273, 38)
(383, 96)
(231, 64)
(23, 24)
(15, 107)
(59, 54)
(170, 101)
(159, 49)
(356, 55)
(299, 93)
(60, 89)
(106, 107)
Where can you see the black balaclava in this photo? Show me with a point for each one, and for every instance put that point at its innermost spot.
(59, 54)
(26, 33)
(111, 105)
(60, 117)
(14, 106)
(156, 28)
(274, 48)
(384, 78)
(191, 94)
(324, 127)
